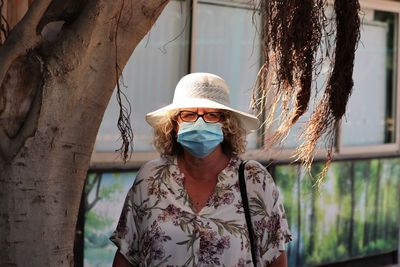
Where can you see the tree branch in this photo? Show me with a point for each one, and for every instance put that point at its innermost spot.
(97, 198)
(63, 10)
(23, 37)
(96, 26)
(90, 186)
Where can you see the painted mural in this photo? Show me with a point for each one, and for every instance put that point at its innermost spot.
(354, 213)
(104, 197)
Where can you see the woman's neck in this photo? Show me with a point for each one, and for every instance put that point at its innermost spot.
(204, 168)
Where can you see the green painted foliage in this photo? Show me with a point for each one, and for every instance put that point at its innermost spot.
(355, 212)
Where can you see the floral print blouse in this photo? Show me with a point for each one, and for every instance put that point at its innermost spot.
(159, 227)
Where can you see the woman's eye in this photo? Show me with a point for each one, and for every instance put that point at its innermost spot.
(188, 115)
(213, 115)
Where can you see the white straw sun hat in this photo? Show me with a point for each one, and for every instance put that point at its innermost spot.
(202, 90)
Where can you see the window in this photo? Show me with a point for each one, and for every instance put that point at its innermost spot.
(225, 42)
(215, 36)
(150, 76)
(370, 116)
(219, 36)
(370, 124)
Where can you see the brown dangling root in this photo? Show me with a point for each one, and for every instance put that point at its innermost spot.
(348, 35)
(333, 105)
(292, 34)
(123, 124)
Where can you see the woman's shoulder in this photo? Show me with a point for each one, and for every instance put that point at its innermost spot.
(153, 166)
(154, 163)
(256, 173)
(253, 165)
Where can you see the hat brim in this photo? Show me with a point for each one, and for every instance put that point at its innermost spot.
(248, 121)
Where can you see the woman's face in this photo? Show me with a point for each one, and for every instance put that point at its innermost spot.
(198, 136)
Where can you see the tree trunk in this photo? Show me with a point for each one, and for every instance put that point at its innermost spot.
(366, 206)
(79, 241)
(338, 220)
(376, 204)
(352, 196)
(298, 258)
(313, 214)
(398, 217)
(341, 191)
(387, 211)
(66, 82)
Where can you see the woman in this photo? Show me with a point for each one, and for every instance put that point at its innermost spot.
(185, 209)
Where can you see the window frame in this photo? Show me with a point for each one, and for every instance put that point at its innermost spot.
(195, 19)
(111, 160)
(281, 154)
(385, 149)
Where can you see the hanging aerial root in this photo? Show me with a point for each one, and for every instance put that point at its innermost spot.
(318, 125)
(347, 37)
(292, 36)
(332, 107)
(123, 124)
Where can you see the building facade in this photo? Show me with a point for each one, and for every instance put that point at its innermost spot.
(353, 220)
(354, 217)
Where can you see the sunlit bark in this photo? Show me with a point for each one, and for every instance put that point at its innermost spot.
(46, 143)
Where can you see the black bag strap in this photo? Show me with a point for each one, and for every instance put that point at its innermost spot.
(243, 192)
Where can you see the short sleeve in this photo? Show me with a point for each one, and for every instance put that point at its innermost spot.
(125, 237)
(268, 215)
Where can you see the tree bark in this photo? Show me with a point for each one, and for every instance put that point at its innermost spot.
(43, 164)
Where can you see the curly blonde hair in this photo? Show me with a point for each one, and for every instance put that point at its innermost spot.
(165, 135)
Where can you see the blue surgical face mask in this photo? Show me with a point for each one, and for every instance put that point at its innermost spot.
(200, 138)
